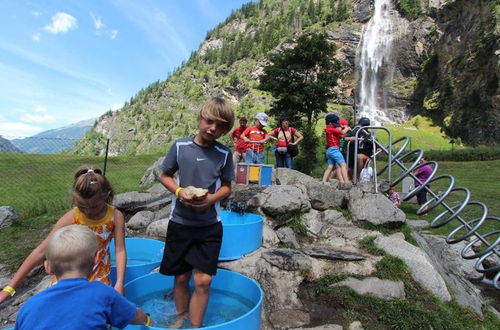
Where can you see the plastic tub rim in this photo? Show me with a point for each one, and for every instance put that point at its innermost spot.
(258, 304)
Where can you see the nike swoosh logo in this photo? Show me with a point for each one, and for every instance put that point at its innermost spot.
(198, 159)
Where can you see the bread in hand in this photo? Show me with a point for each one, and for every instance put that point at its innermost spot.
(196, 193)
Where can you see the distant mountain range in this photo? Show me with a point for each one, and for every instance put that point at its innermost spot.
(51, 141)
(7, 146)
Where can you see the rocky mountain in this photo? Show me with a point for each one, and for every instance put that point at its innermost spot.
(7, 146)
(443, 64)
(55, 140)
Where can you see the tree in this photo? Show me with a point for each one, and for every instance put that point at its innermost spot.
(301, 79)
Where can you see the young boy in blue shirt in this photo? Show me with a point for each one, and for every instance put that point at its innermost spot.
(194, 233)
(74, 302)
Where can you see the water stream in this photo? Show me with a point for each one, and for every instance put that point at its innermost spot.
(376, 46)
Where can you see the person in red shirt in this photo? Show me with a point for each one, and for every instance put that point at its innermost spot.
(333, 134)
(240, 146)
(255, 137)
(285, 135)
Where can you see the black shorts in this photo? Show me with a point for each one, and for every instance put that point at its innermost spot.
(190, 247)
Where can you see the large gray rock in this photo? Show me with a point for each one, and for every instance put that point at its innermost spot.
(287, 236)
(279, 201)
(7, 216)
(419, 263)
(286, 176)
(374, 208)
(325, 195)
(280, 285)
(455, 270)
(287, 259)
(383, 289)
(140, 220)
(133, 202)
(158, 228)
(153, 173)
(269, 237)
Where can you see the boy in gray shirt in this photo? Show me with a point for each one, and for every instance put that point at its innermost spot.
(194, 233)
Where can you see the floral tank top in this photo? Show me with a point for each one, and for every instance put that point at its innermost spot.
(104, 230)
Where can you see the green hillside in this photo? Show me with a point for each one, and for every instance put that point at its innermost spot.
(231, 59)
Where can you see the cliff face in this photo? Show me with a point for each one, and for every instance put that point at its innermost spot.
(458, 83)
(444, 64)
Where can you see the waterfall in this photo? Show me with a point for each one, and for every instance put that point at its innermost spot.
(376, 46)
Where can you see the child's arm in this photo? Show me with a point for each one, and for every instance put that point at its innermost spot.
(141, 318)
(120, 251)
(299, 136)
(36, 256)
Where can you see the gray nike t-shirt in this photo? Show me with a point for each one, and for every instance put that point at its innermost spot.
(201, 167)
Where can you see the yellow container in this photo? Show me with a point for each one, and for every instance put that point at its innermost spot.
(254, 173)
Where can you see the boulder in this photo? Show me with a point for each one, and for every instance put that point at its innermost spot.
(374, 208)
(287, 176)
(133, 202)
(153, 173)
(158, 228)
(7, 216)
(287, 259)
(421, 267)
(277, 201)
(140, 220)
(457, 272)
(287, 236)
(325, 195)
(383, 289)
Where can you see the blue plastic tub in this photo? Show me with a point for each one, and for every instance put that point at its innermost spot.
(229, 283)
(242, 234)
(143, 255)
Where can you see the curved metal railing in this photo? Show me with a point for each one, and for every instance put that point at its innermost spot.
(482, 246)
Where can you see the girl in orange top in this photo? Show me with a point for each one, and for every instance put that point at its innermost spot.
(91, 195)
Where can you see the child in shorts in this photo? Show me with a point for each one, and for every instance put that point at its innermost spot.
(74, 302)
(333, 134)
(194, 233)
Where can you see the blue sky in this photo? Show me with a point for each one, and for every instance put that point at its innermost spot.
(65, 61)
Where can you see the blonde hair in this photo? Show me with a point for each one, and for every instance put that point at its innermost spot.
(72, 248)
(219, 110)
(90, 183)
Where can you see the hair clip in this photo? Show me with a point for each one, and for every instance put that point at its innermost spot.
(90, 170)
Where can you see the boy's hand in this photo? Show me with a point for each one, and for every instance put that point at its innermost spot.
(198, 204)
(202, 204)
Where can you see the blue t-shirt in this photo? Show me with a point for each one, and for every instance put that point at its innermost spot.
(76, 303)
(201, 167)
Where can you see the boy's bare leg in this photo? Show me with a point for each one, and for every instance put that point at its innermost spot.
(326, 175)
(199, 300)
(181, 296)
(343, 173)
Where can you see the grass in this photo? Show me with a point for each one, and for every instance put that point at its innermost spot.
(418, 310)
(35, 184)
(483, 181)
(38, 187)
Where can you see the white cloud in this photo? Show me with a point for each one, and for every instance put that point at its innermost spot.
(36, 13)
(97, 21)
(113, 34)
(36, 36)
(31, 118)
(12, 130)
(61, 23)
